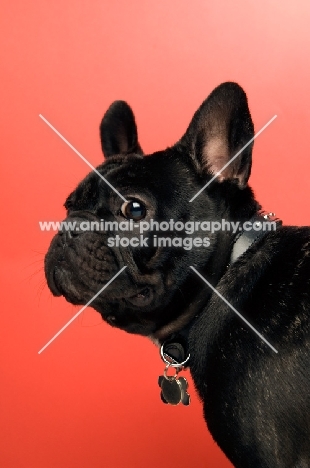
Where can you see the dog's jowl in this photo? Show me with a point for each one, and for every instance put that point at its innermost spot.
(192, 262)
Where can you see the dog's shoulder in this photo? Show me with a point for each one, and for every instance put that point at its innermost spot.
(279, 256)
(269, 287)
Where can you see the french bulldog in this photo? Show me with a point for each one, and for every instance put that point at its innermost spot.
(256, 398)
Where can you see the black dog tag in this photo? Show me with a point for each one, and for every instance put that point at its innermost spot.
(174, 390)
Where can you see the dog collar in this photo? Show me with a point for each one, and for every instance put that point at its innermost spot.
(175, 348)
(256, 229)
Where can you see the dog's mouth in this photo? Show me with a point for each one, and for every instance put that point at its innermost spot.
(61, 284)
(54, 284)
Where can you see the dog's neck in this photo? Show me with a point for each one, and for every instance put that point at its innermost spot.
(174, 335)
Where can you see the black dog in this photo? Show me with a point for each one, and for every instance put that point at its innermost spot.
(256, 401)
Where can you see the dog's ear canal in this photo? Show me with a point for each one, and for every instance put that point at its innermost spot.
(219, 129)
(118, 131)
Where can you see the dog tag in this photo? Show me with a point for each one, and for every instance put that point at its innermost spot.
(174, 390)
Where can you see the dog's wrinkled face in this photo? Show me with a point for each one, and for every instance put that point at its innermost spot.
(156, 288)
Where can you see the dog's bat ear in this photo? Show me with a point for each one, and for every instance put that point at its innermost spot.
(118, 131)
(219, 129)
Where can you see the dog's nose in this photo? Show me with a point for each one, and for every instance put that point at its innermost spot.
(77, 224)
(71, 234)
(66, 235)
(72, 227)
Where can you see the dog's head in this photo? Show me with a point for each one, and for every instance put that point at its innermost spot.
(156, 293)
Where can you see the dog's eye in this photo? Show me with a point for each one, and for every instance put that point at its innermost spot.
(133, 209)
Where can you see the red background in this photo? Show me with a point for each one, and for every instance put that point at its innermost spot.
(91, 398)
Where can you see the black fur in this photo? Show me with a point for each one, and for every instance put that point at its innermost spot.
(256, 402)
